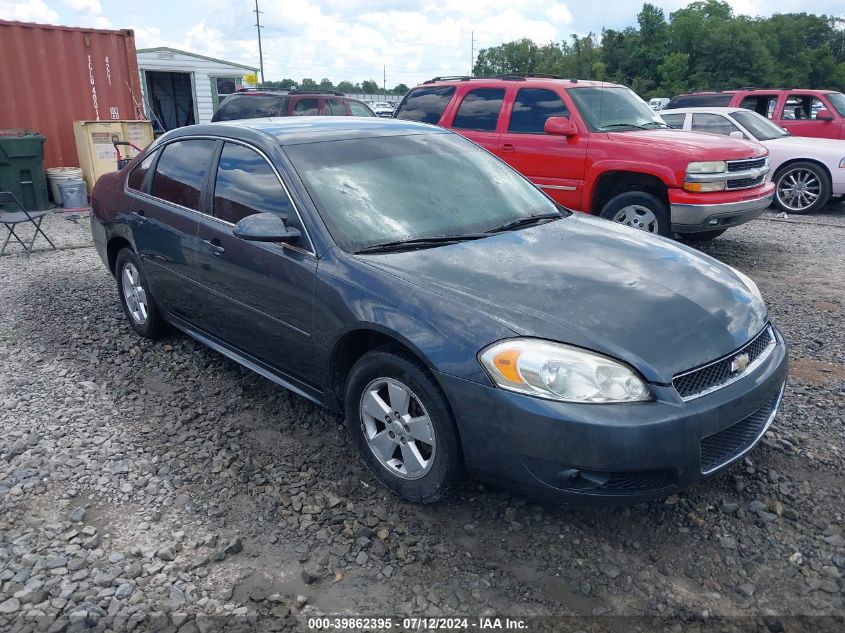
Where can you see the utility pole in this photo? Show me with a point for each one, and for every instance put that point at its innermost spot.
(384, 80)
(260, 53)
(471, 51)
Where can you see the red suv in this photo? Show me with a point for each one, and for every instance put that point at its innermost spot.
(256, 104)
(597, 147)
(817, 113)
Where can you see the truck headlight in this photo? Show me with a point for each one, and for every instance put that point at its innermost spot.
(708, 167)
(561, 372)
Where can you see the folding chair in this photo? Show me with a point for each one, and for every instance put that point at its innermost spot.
(12, 218)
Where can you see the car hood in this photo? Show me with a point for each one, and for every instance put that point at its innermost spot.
(698, 144)
(660, 306)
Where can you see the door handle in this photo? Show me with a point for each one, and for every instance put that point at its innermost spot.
(215, 247)
(139, 216)
(507, 147)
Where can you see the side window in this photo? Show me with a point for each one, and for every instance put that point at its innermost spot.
(426, 105)
(675, 121)
(136, 178)
(480, 110)
(334, 107)
(247, 106)
(713, 123)
(305, 107)
(801, 107)
(764, 105)
(359, 109)
(531, 109)
(246, 184)
(181, 171)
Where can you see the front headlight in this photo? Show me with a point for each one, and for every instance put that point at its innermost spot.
(708, 167)
(561, 372)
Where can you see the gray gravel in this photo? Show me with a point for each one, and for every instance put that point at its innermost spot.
(158, 486)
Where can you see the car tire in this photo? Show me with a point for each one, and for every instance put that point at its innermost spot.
(797, 183)
(418, 461)
(135, 296)
(639, 210)
(701, 236)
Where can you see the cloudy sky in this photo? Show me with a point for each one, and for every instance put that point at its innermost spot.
(355, 39)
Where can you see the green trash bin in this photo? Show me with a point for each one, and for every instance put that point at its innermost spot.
(22, 168)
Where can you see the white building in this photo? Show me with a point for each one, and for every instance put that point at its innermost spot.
(181, 88)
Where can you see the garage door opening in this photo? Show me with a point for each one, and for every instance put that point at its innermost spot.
(170, 96)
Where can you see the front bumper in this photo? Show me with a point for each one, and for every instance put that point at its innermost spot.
(613, 453)
(694, 217)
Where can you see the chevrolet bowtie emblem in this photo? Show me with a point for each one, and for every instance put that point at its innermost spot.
(739, 363)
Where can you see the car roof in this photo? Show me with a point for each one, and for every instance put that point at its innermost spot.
(717, 110)
(820, 91)
(310, 129)
(521, 79)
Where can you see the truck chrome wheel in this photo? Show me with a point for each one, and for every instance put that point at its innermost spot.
(798, 189)
(397, 428)
(637, 217)
(134, 294)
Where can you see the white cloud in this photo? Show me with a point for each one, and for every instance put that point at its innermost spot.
(88, 6)
(559, 13)
(28, 11)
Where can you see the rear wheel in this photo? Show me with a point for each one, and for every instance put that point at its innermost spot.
(801, 187)
(701, 236)
(402, 426)
(639, 210)
(135, 296)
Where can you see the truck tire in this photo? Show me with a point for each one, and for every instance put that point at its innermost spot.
(639, 210)
(801, 187)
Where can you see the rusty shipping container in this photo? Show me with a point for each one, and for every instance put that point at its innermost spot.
(51, 76)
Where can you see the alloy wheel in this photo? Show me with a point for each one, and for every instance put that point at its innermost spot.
(134, 294)
(397, 428)
(798, 189)
(637, 217)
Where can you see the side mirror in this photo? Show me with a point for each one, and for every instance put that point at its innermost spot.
(824, 115)
(266, 227)
(560, 126)
(736, 134)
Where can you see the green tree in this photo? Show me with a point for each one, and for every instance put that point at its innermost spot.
(369, 87)
(520, 56)
(325, 84)
(308, 84)
(673, 73)
(346, 87)
(400, 89)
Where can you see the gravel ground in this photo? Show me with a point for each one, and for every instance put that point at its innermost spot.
(159, 486)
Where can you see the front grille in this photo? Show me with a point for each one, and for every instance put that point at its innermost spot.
(745, 165)
(728, 444)
(745, 183)
(639, 481)
(696, 382)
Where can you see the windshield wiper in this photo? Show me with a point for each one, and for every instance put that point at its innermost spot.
(531, 219)
(655, 123)
(612, 125)
(419, 242)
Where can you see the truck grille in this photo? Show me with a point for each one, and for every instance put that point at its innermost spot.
(745, 165)
(745, 183)
(726, 445)
(697, 382)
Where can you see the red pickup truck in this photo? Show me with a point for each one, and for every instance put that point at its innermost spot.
(597, 147)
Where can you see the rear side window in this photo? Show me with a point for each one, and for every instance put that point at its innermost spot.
(246, 184)
(136, 178)
(763, 105)
(181, 172)
(305, 107)
(719, 100)
(426, 105)
(359, 109)
(334, 107)
(675, 121)
(480, 110)
(531, 109)
(713, 123)
(250, 107)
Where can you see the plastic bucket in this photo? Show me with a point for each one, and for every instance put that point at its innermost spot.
(74, 195)
(57, 175)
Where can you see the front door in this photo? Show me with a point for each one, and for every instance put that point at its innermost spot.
(798, 115)
(554, 163)
(164, 222)
(257, 296)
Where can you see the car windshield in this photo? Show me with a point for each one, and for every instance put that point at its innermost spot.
(614, 109)
(395, 188)
(758, 126)
(837, 100)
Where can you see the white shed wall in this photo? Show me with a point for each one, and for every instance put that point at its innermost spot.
(202, 71)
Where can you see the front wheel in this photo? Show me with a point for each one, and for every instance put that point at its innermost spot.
(639, 210)
(402, 427)
(801, 187)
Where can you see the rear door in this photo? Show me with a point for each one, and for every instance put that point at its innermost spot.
(554, 163)
(304, 106)
(164, 223)
(257, 296)
(426, 104)
(477, 116)
(333, 106)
